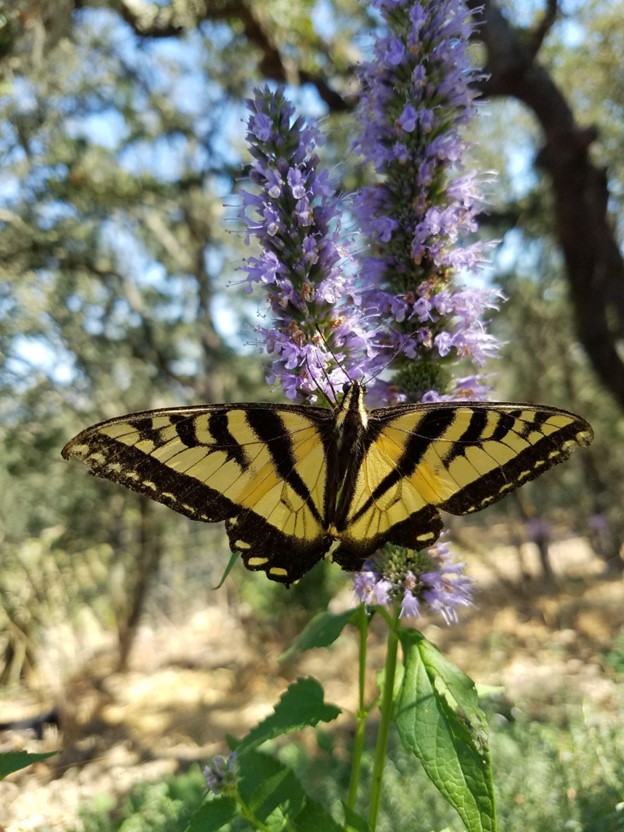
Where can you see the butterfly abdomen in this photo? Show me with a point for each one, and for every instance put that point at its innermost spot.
(351, 423)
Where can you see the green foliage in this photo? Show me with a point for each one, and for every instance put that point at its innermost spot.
(268, 795)
(165, 806)
(549, 778)
(321, 631)
(300, 706)
(213, 815)
(615, 656)
(560, 778)
(439, 721)
(11, 761)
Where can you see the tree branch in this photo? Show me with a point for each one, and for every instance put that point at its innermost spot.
(149, 21)
(538, 35)
(584, 228)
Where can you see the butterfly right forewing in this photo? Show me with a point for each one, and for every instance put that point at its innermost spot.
(460, 458)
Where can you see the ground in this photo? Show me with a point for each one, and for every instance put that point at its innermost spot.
(190, 684)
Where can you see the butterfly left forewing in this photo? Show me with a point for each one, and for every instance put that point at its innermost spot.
(260, 467)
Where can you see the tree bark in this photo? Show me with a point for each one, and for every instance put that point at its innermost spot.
(149, 555)
(585, 232)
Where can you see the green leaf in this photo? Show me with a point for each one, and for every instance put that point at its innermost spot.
(213, 815)
(267, 785)
(313, 817)
(439, 720)
(271, 786)
(301, 705)
(230, 565)
(16, 760)
(321, 631)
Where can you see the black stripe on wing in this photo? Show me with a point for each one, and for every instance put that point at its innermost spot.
(269, 427)
(221, 436)
(432, 425)
(124, 464)
(528, 464)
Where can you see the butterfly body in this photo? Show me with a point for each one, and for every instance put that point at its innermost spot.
(293, 482)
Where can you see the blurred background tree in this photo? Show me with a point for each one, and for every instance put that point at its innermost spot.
(122, 140)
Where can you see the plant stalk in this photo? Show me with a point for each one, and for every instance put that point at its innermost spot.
(363, 711)
(386, 708)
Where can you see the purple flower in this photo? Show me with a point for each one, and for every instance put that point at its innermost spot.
(443, 343)
(415, 581)
(408, 119)
(395, 51)
(416, 99)
(317, 339)
(222, 774)
(386, 227)
(445, 588)
(410, 605)
(371, 588)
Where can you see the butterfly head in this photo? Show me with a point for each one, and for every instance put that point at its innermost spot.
(348, 387)
(352, 407)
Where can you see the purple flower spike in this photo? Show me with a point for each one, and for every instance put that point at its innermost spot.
(416, 100)
(318, 315)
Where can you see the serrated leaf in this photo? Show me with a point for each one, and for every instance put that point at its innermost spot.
(300, 706)
(16, 760)
(321, 631)
(439, 720)
(212, 815)
(266, 784)
(277, 821)
(314, 816)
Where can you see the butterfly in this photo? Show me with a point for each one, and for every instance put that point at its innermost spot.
(296, 482)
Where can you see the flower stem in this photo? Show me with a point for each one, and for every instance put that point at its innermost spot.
(363, 711)
(386, 708)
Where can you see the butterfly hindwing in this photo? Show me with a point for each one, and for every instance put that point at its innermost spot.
(260, 467)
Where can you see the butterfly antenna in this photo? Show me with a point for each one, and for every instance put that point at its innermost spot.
(318, 386)
(383, 367)
(334, 356)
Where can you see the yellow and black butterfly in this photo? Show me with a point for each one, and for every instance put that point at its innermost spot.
(294, 481)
